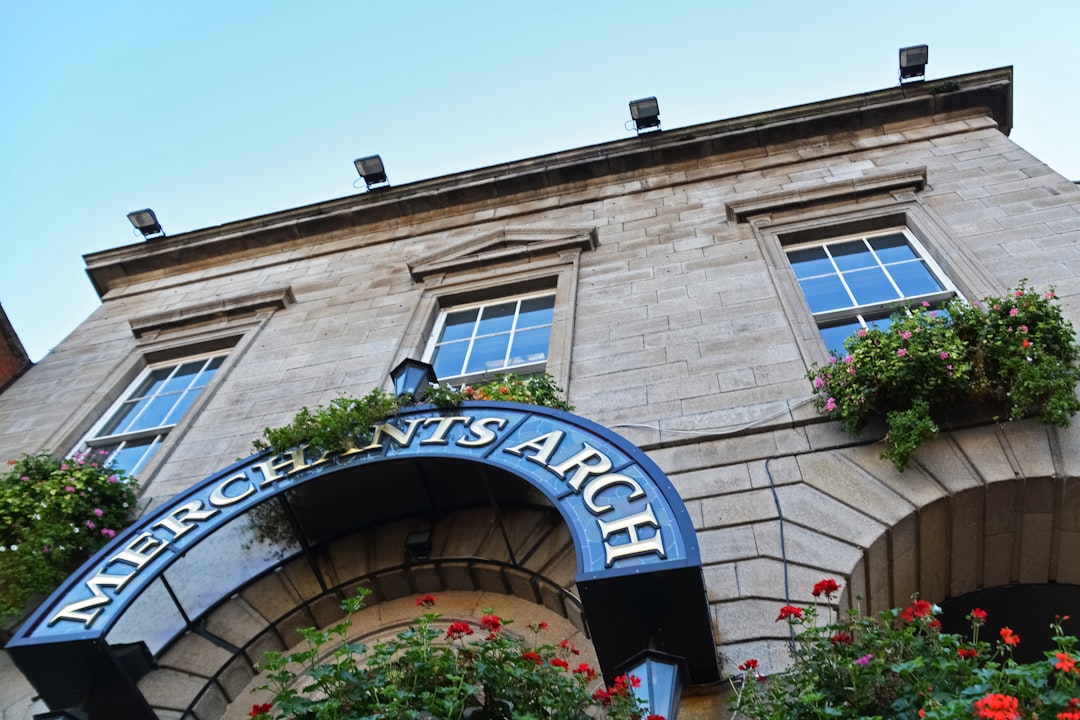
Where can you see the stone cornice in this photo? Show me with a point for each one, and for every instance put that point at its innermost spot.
(988, 91)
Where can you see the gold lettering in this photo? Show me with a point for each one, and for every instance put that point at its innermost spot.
(544, 445)
(176, 521)
(218, 498)
(636, 546)
(402, 438)
(76, 610)
(595, 486)
(482, 433)
(141, 550)
(444, 424)
(583, 470)
(294, 459)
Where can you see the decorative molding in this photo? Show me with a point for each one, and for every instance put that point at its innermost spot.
(247, 305)
(905, 179)
(506, 246)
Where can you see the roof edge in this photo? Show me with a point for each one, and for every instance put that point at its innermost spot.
(989, 90)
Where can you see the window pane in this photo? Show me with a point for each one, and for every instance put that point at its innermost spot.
(124, 417)
(530, 346)
(134, 455)
(825, 293)
(536, 311)
(870, 286)
(852, 255)
(180, 406)
(836, 335)
(449, 359)
(914, 278)
(154, 414)
(810, 261)
(153, 382)
(892, 248)
(183, 377)
(209, 371)
(488, 354)
(459, 324)
(496, 318)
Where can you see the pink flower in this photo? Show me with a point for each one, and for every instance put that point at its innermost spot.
(906, 334)
(1023, 328)
(1049, 296)
(925, 304)
(830, 404)
(861, 332)
(901, 352)
(108, 533)
(1014, 312)
(90, 524)
(113, 478)
(70, 488)
(864, 660)
(99, 512)
(832, 359)
(819, 382)
(944, 355)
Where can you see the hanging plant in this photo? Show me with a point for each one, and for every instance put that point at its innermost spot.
(54, 514)
(348, 421)
(1017, 351)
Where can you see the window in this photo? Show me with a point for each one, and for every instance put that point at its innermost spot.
(860, 280)
(473, 341)
(134, 428)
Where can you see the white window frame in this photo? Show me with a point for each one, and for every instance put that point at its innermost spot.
(866, 314)
(95, 440)
(527, 368)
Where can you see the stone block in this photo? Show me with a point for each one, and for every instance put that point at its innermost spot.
(194, 655)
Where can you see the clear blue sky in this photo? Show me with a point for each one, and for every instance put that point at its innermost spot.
(210, 112)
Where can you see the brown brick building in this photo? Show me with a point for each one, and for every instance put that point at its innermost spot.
(655, 279)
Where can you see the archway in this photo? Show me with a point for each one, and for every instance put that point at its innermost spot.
(162, 580)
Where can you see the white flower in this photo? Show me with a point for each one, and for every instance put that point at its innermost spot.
(2, 548)
(37, 516)
(76, 530)
(14, 548)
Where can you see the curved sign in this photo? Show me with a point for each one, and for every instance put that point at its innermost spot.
(623, 513)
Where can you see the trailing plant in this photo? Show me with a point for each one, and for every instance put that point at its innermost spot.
(1017, 350)
(440, 669)
(53, 515)
(899, 665)
(348, 422)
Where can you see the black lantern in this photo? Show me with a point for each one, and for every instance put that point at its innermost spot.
(645, 113)
(412, 377)
(68, 714)
(661, 682)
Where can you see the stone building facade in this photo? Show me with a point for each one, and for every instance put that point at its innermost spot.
(658, 275)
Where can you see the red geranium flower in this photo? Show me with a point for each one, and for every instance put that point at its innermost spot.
(257, 710)
(559, 662)
(967, 653)
(750, 664)
(789, 611)
(996, 706)
(1065, 662)
(491, 622)
(842, 638)
(587, 670)
(1009, 638)
(425, 601)
(458, 629)
(977, 616)
(827, 587)
(532, 656)
(918, 609)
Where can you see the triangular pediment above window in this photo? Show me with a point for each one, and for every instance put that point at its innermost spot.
(503, 247)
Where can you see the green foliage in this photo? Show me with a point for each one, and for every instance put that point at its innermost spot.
(348, 422)
(437, 669)
(900, 666)
(1017, 350)
(53, 515)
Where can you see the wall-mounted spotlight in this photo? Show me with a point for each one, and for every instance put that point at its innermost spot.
(372, 170)
(645, 113)
(913, 62)
(146, 222)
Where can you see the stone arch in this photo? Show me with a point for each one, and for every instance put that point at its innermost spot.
(984, 506)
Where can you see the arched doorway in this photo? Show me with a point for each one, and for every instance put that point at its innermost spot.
(555, 509)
